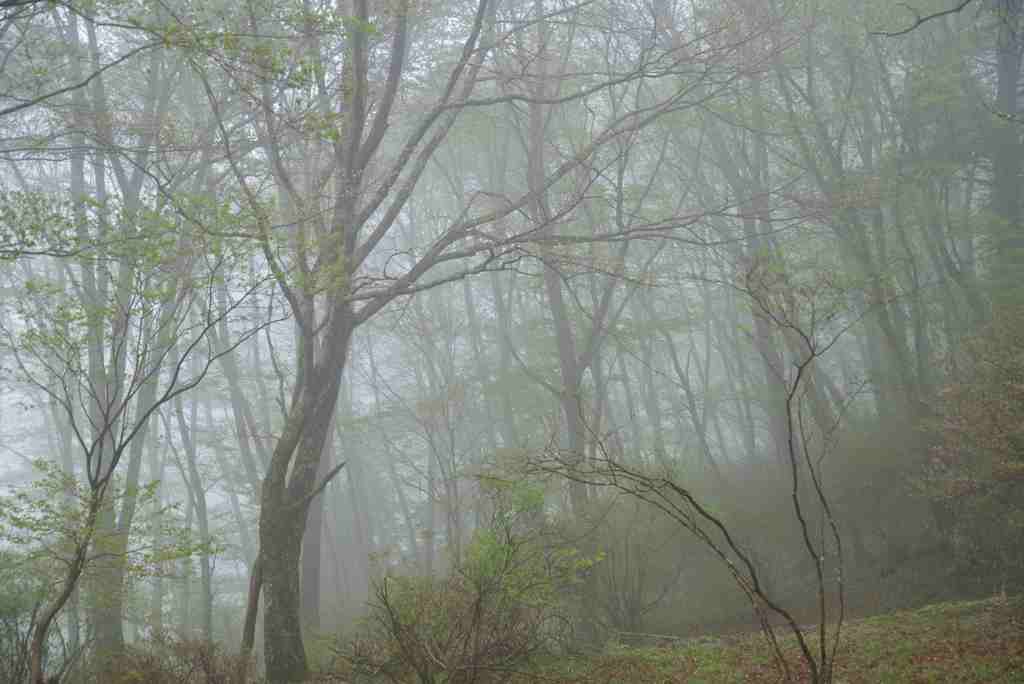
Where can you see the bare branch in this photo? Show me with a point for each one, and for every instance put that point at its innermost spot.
(920, 19)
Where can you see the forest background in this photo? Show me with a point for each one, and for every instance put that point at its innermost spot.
(449, 333)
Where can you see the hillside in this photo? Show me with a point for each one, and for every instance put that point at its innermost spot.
(972, 642)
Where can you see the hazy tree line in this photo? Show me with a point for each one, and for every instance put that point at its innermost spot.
(619, 318)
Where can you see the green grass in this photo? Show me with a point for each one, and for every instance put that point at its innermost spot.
(977, 642)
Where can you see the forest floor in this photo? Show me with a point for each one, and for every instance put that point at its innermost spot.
(978, 642)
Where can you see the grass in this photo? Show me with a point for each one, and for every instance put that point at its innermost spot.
(977, 642)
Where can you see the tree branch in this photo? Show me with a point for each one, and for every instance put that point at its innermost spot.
(922, 19)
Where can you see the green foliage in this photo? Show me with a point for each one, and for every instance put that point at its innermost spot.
(955, 642)
(48, 521)
(33, 222)
(499, 607)
(976, 473)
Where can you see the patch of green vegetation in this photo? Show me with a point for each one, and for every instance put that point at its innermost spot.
(978, 642)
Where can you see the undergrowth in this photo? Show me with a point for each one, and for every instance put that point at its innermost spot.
(979, 642)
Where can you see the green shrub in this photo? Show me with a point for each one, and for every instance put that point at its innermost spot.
(500, 605)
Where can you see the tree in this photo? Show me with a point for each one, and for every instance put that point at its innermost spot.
(344, 181)
(100, 350)
(813, 311)
(50, 337)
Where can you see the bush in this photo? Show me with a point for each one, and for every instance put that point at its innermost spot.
(500, 605)
(976, 474)
(171, 660)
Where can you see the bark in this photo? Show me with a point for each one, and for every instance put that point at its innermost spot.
(285, 505)
(312, 547)
(252, 604)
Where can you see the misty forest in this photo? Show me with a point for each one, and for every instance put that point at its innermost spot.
(478, 341)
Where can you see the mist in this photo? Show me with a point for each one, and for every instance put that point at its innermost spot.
(490, 340)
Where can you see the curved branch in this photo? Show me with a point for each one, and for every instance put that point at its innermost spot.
(922, 19)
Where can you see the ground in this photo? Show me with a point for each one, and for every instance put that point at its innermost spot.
(977, 642)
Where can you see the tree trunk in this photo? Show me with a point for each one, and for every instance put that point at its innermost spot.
(287, 492)
(507, 423)
(312, 546)
(280, 547)
(1006, 159)
(197, 493)
(68, 589)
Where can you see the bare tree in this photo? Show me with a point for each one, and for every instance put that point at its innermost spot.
(810, 313)
(342, 198)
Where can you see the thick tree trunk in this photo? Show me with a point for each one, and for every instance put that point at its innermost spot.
(287, 493)
(281, 546)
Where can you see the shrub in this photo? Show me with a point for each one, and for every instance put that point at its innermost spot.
(167, 659)
(976, 474)
(499, 606)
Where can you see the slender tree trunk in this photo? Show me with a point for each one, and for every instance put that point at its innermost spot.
(652, 403)
(156, 611)
(1006, 156)
(185, 572)
(481, 365)
(197, 492)
(392, 470)
(362, 532)
(252, 604)
(48, 614)
(248, 546)
(312, 545)
(64, 434)
(507, 424)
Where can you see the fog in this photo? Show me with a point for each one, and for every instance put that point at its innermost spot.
(432, 341)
